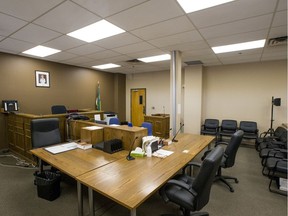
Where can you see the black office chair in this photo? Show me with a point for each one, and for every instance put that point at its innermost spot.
(192, 194)
(228, 159)
(228, 128)
(45, 132)
(277, 168)
(210, 127)
(58, 109)
(277, 135)
(250, 130)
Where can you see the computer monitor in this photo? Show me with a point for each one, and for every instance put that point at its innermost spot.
(10, 105)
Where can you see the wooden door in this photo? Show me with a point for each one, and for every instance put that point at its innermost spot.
(138, 106)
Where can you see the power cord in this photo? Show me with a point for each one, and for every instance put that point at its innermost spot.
(20, 163)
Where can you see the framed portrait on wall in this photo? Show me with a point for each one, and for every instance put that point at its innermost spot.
(42, 79)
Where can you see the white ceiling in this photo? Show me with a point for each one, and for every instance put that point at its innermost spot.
(152, 27)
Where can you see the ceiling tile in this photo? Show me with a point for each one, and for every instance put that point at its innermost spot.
(176, 39)
(10, 24)
(145, 53)
(280, 19)
(278, 32)
(180, 24)
(77, 60)
(85, 49)
(61, 56)
(35, 34)
(103, 54)
(117, 41)
(238, 38)
(64, 42)
(230, 12)
(134, 47)
(146, 14)
(282, 5)
(66, 18)
(29, 9)
(242, 26)
(195, 45)
(106, 8)
(14, 45)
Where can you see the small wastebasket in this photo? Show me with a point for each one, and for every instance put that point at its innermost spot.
(48, 184)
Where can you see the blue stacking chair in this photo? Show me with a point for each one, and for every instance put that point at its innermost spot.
(114, 121)
(148, 125)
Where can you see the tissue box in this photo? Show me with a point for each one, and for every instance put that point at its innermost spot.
(137, 154)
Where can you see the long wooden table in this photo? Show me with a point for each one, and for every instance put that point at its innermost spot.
(130, 183)
(77, 162)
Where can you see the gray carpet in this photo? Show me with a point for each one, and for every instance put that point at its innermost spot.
(251, 196)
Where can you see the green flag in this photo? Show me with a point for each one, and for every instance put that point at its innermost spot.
(98, 99)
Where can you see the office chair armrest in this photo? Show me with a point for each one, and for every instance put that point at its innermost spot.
(182, 185)
(221, 143)
(190, 164)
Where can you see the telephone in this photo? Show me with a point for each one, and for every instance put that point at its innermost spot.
(151, 141)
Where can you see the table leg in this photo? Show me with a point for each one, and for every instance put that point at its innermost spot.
(133, 212)
(80, 198)
(91, 201)
(40, 164)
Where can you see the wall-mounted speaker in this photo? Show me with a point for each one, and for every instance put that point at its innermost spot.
(277, 101)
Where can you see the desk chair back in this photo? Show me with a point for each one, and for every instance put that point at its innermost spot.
(232, 148)
(148, 125)
(58, 109)
(204, 180)
(45, 132)
(114, 121)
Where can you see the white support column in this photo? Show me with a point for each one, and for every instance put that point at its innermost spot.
(175, 90)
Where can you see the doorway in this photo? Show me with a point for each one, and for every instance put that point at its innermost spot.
(138, 106)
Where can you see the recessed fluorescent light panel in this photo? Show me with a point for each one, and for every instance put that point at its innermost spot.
(239, 46)
(41, 51)
(106, 66)
(96, 31)
(196, 5)
(155, 58)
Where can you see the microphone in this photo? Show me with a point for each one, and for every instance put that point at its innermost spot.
(129, 157)
(174, 140)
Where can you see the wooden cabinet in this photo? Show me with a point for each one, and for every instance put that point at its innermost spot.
(19, 133)
(160, 124)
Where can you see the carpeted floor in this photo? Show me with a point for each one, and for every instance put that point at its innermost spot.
(251, 196)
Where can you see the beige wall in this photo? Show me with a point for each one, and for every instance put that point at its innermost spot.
(244, 92)
(72, 86)
(157, 86)
(239, 91)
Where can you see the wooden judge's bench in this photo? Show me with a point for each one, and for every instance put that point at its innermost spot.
(19, 133)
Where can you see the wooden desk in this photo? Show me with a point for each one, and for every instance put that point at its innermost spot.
(130, 183)
(123, 132)
(77, 162)
(19, 134)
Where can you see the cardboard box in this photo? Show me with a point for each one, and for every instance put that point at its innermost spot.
(92, 134)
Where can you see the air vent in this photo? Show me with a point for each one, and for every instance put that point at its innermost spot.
(196, 62)
(278, 41)
(134, 61)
